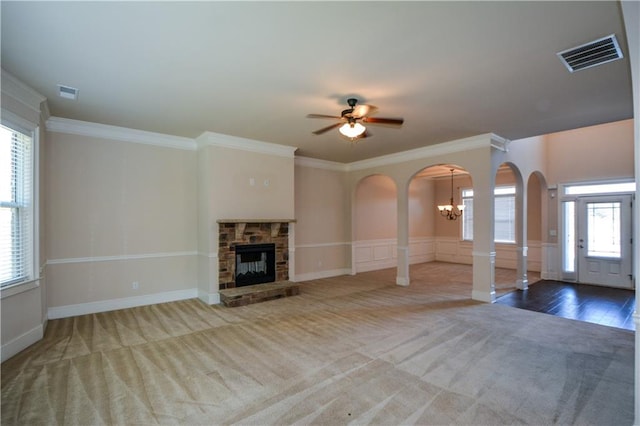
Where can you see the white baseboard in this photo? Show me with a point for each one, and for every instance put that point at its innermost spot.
(322, 274)
(209, 298)
(554, 276)
(114, 304)
(21, 342)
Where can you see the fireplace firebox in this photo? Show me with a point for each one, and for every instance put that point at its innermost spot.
(255, 264)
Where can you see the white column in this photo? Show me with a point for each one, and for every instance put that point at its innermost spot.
(402, 277)
(484, 255)
(291, 242)
(484, 278)
(522, 282)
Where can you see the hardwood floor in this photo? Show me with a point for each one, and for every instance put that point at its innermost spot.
(599, 305)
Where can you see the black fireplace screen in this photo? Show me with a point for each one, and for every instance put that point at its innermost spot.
(255, 264)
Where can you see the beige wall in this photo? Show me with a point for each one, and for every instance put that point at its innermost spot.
(322, 221)
(250, 185)
(118, 213)
(375, 209)
(534, 208)
(422, 210)
(591, 153)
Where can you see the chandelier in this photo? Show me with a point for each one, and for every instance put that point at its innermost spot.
(450, 211)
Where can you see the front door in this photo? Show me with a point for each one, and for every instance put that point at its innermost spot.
(604, 241)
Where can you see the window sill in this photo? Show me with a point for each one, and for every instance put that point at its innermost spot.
(14, 289)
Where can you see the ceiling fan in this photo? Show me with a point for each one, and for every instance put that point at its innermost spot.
(350, 120)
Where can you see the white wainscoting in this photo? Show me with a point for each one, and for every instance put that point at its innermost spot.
(372, 255)
(455, 251)
(550, 253)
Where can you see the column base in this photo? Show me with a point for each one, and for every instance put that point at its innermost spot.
(404, 282)
(522, 284)
(483, 296)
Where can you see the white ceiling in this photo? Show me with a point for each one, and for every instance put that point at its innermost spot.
(256, 69)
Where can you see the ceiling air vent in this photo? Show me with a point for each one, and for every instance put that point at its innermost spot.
(589, 55)
(67, 92)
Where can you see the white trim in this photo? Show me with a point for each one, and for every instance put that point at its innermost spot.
(500, 143)
(212, 255)
(488, 254)
(15, 122)
(12, 290)
(318, 245)
(251, 145)
(321, 164)
(21, 92)
(209, 298)
(322, 274)
(124, 134)
(56, 312)
(121, 257)
(459, 145)
(14, 346)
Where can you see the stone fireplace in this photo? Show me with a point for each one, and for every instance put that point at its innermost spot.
(234, 235)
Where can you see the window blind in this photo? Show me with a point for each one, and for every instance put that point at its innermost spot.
(16, 194)
(504, 214)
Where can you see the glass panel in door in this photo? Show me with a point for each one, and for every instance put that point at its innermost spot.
(604, 241)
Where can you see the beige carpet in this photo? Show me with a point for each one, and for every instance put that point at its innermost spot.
(357, 350)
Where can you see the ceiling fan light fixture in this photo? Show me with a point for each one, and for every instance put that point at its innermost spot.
(352, 130)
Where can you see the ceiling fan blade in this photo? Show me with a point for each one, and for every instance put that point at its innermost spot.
(335, 117)
(375, 120)
(326, 129)
(363, 110)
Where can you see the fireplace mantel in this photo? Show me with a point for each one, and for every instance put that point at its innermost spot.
(241, 224)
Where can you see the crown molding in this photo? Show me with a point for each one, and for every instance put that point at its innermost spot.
(459, 145)
(21, 92)
(499, 142)
(251, 145)
(321, 164)
(19, 123)
(85, 128)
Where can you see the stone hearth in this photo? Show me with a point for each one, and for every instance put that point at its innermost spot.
(241, 296)
(233, 232)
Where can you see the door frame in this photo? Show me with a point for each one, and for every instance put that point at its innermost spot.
(624, 279)
(567, 271)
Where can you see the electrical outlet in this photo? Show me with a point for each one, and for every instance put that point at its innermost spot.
(135, 285)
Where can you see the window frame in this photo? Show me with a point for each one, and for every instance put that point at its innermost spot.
(499, 192)
(32, 277)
